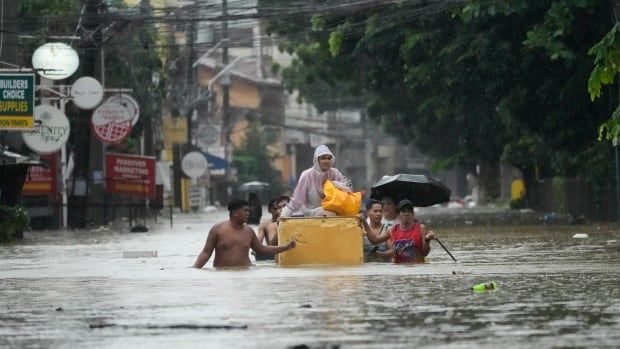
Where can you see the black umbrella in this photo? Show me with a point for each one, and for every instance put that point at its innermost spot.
(422, 190)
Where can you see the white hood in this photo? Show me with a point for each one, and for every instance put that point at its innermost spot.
(321, 150)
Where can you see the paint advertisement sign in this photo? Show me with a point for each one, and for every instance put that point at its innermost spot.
(16, 101)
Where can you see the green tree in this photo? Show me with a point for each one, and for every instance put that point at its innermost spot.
(254, 161)
(606, 68)
(469, 84)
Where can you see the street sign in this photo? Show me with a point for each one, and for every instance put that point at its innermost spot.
(194, 164)
(209, 135)
(16, 101)
(130, 175)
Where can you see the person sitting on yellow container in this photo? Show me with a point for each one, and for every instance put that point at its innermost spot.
(408, 241)
(232, 240)
(309, 190)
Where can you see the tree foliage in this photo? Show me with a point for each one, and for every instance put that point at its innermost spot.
(253, 159)
(473, 84)
(606, 67)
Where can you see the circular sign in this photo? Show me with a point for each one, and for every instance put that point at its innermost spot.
(129, 103)
(194, 164)
(208, 135)
(86, 92)
(55, 60)
(51, 130)
(111, 123)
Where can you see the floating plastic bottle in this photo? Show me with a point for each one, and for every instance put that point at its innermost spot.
(485, 286)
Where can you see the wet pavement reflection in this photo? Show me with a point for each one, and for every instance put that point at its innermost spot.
(75, 289)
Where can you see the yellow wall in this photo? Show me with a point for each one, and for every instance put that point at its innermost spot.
(242, 94)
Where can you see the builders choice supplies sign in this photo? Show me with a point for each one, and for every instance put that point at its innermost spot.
(16, 101)
(130, 175)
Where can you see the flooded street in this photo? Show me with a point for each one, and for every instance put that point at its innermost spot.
(68, 290)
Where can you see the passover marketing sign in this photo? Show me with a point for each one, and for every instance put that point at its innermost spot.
(16, 101)
(130, 175)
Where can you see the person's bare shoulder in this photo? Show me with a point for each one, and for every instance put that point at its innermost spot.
(264, 224)
(218, 227)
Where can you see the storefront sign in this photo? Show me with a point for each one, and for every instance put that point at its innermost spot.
(16, 101)
(130, 175)
(50, 133)
(111, 123)
(41, 180)
(128, 103)
(86, 92)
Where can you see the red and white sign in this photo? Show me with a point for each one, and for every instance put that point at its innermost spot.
(129, 103)
(130, 175)
(111, 123)
(41, 180)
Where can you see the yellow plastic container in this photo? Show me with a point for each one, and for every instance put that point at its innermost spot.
(321, 240)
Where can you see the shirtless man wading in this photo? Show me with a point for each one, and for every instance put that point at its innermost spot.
(232, 240)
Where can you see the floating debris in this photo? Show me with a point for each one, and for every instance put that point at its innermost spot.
(580, 236)
(139, 254)
(485, 286)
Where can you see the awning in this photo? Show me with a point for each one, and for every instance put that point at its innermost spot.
(10, 158)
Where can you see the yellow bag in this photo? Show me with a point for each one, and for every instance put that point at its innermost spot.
(339, 201)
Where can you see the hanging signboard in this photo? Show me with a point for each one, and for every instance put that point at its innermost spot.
(51, 132)
(130, 175)
(55, 60)
(111, 123)
(16, 101)
(129, 103)
(86, 92)
(41, 180)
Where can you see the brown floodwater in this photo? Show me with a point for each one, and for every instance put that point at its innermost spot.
(74, 290)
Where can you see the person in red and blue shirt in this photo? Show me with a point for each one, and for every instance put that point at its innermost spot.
(408, 241)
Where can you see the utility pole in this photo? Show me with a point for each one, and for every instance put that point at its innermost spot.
(370, 151)
(148, 120)
(9, 59)
(88, 154)
(189, 75)
(226, 122)
(226, 86)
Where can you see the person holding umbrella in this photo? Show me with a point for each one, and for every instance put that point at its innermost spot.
(407, 241)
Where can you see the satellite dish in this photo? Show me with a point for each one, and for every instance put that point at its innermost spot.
(55, 60)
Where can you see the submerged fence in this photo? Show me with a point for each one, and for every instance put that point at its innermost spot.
(575, 197)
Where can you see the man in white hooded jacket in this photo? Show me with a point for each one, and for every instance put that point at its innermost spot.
(309, 190)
